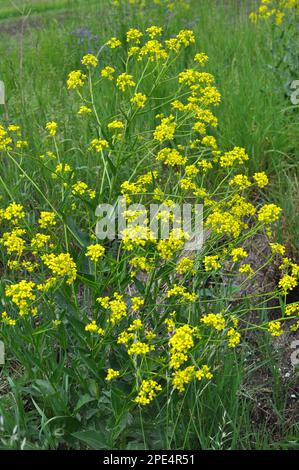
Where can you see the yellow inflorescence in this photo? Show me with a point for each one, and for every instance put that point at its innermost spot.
(95, 252)
(147, 392)
(275, 11)
(61, 265)
(174, 160)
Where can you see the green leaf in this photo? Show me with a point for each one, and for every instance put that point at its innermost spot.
(83, 401)
(93, 439)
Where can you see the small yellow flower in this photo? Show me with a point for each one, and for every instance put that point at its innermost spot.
(134, 35)
(113, 43)
(269, 213)
(95, 252)
(211, 263)
(84, 110)
(261, 179)
(234, 338)
(124, 81)
(181, 378)
(61, 265)
(112, 374)
(108, 72)
(277, 249)
(182, 293)
(47, 219)
(147, 392)
(7, 320)
(52, 128)
(154, 31)
(138, 348)
(274, 328)
(185, 265)
(216, 320)
(292, 309)
(287, 283)
(201, 58)
(21, 144)
(245, 268)
(76, 79)
(116, 125)
(137, 302)
(99, 144)
(90, 60)
(241, 181)
(139, 100)
(238, 254)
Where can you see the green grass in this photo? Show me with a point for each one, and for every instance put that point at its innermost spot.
(18, 8)
(43, 396)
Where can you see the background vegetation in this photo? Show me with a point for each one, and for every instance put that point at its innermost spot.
(41, 41)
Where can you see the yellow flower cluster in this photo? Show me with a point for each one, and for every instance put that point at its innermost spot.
(180, 343)
(181, 378)
(147, 392)
(22, 295)
(61, 265)
(185, 265)
(51, 127)
(47, 219)
(166, 129)
(211, 262)
(139, 100)
(169, 246)
(124, 81)
(108, 72)
(138, 348)
(290, 275)
(13, 241)
(292, 309)
(90, 60)
(93, 328)
(5, 139)
(277, 249)
(116, 305)
(95, 252)
(84, 110)
(216, 320)
(99, 144)
(14, 213)
(136, 235)
(80, 189)
(234, 338)
(76, 79)
(112, 374)
(238, 254)
(171, 157)
(140, 263)
(237, 154)
(275, 11)
(275, 329)
(7, 320)
(268, 213)
(182, 293)
(137, 302)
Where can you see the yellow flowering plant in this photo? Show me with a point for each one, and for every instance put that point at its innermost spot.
(150, 319)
